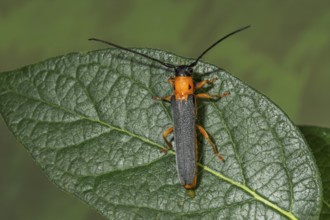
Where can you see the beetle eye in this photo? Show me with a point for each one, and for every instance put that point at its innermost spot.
(189, 86)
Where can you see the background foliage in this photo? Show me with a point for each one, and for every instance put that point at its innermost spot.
(319, 141)
(284, 55)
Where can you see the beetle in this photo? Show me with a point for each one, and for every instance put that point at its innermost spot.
(183, 109)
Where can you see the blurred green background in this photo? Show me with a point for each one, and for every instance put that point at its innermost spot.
(285, 55)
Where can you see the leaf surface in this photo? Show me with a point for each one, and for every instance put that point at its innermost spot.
(90, 122)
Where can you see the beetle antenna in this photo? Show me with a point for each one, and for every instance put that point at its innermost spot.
(133, 51)
(214, 44)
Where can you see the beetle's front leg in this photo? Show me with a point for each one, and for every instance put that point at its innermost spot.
(201, 84)
(171, 80)
(166, 98)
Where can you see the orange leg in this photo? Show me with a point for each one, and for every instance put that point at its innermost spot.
(204, 82)
(204, 133)
(171, 80)
(166, 98)
(208, 96)
(169, 145)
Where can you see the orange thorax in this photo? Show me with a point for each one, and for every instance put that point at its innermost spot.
(183, 86)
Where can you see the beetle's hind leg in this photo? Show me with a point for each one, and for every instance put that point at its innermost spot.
(204, 133)
(169, 145)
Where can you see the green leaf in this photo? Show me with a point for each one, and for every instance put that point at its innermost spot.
(90, 122)
(319, 141)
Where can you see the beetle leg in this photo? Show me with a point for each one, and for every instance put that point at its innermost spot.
(169, 145)
(209, 96)
(166, 98)
(201, 84)
(204, 133)
(171, 80)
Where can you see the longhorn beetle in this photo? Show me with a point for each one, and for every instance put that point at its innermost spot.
(183, 107)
